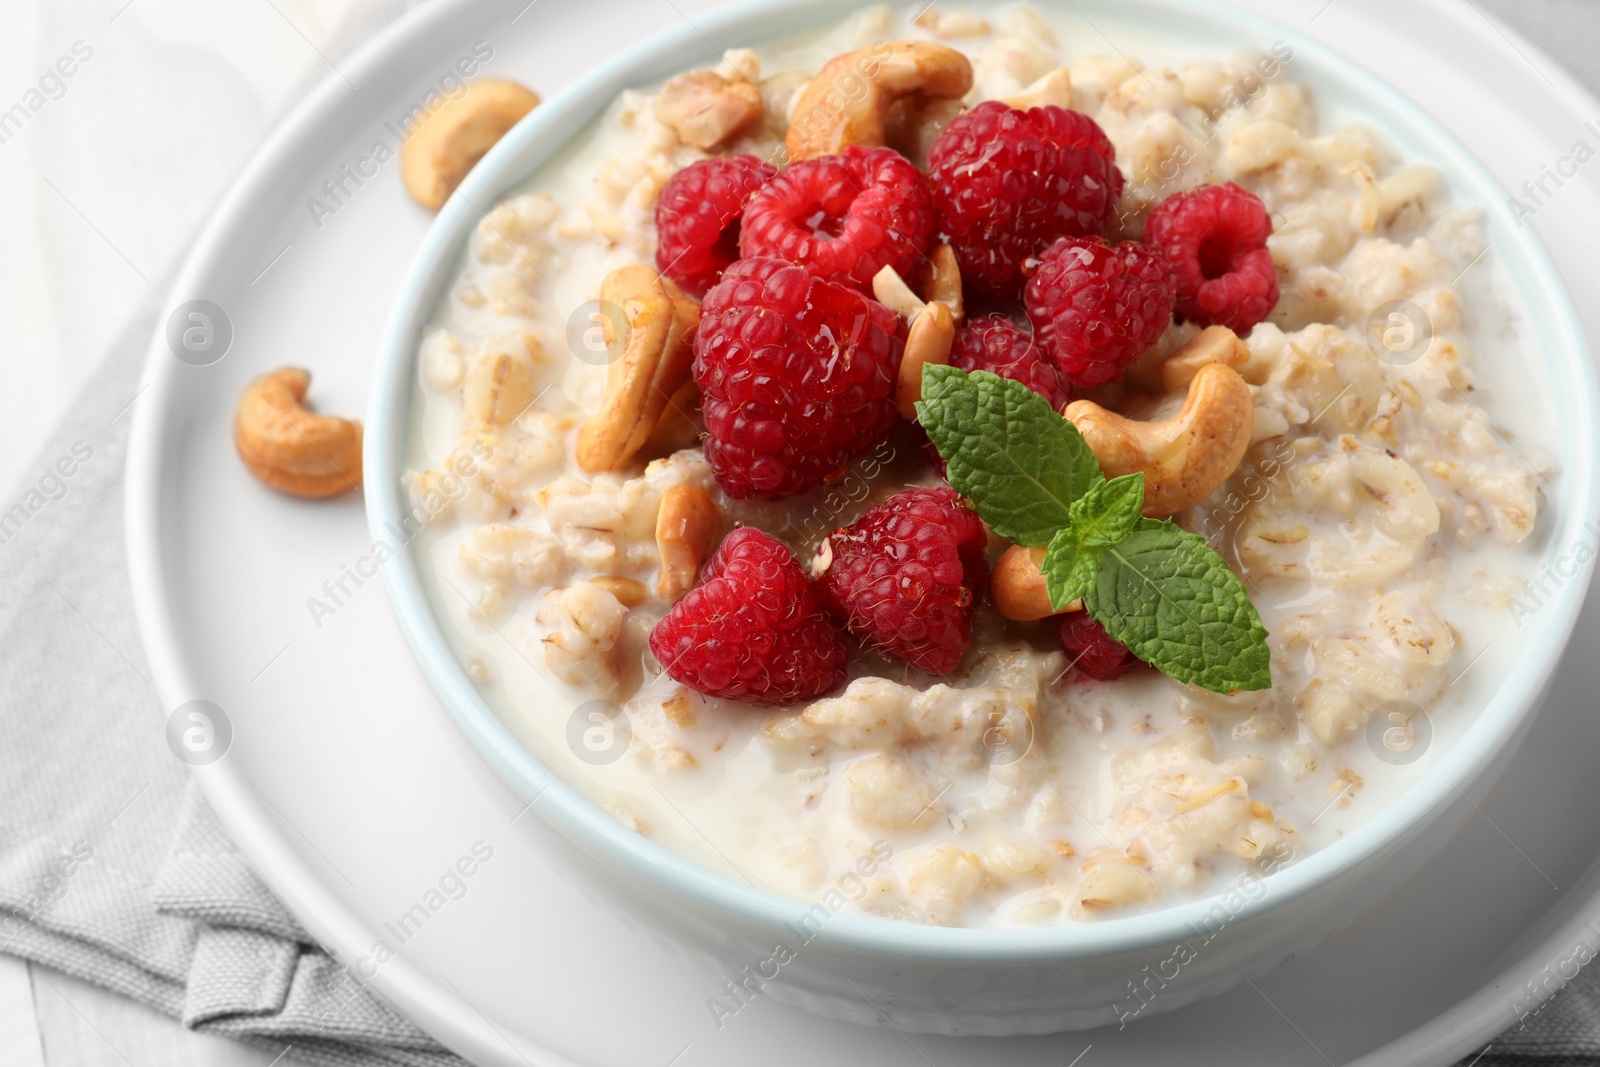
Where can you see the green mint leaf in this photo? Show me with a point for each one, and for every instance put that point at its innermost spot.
(1104, 515)
(1006, 450)
(1173, 601)
(1070, 568)
(1108, 512)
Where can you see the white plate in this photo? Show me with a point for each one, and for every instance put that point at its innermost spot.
(352, 793)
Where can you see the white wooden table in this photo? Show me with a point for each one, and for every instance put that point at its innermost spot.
(101, 188)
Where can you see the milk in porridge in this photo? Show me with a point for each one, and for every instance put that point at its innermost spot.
(1376, 519)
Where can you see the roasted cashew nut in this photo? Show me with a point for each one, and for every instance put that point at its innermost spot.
(927, 342)
(1184, 459)
(941, 281)
(915, 123)
(680, 426)
(848, 102)
(707, 108)
(1214, 344)
(291, 449)
(1016, 586)
(688, 530)
(655, 363)
(444, 145)
(932, 332)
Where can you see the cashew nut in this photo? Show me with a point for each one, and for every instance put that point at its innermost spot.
(928, 341)
(1052, 90)
(289, 448)
(848, 102)
(655, 362)
(1214, 344)
(1184, 459)
(914, 123)
(1016, 586)
(445, 145)
(941, 281)
(893, 293)
(680, 426)
(707, 108)
(688, 530)
(932, 332)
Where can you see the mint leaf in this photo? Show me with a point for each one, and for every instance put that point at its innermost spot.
(1173, 601)
(1156, 588)
(1006, 450)
(1104, 515)
(1110, 511)
(1070, 568)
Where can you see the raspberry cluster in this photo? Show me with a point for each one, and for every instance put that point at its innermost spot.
(904, 578)
(1091, 650)
(1095, 306)
(797, 375)
(797, 367)
(1215, 237)
(698, 217)
(996, 344)
(1009, 182)
(752, 630)
(843, 217)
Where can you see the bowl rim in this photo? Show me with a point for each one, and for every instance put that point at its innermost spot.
(1566, 360)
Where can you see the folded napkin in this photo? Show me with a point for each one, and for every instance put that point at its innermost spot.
(112, 868)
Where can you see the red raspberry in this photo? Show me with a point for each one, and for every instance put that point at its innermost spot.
(697, 218)
(797, 375)
(843, 217)
(1095, 306)
(904, 576)
(1216, 239)
(996, 344)
(752, 630)
(1009, 182)
(1092, 650)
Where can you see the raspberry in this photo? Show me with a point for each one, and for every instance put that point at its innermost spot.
(697, 218)
(995, 344)
(797, 375)
(1215, 237)
(1092, 650)
(843, 217)
(1009, 182)
(1095, 306)
(752, 630)
(904, 576)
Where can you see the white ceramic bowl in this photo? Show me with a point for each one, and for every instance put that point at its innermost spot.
(986, 981)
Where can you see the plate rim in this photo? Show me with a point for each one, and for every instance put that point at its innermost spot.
(448, 1017)
(266, 841)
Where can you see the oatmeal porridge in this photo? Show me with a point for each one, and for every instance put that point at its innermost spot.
(1007, 765)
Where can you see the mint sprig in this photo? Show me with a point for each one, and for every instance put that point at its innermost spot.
(1008, 449)
(1158, 589)
(1103, 516)
(1172, 600)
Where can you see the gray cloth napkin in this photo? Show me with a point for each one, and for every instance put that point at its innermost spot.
(112, 868)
